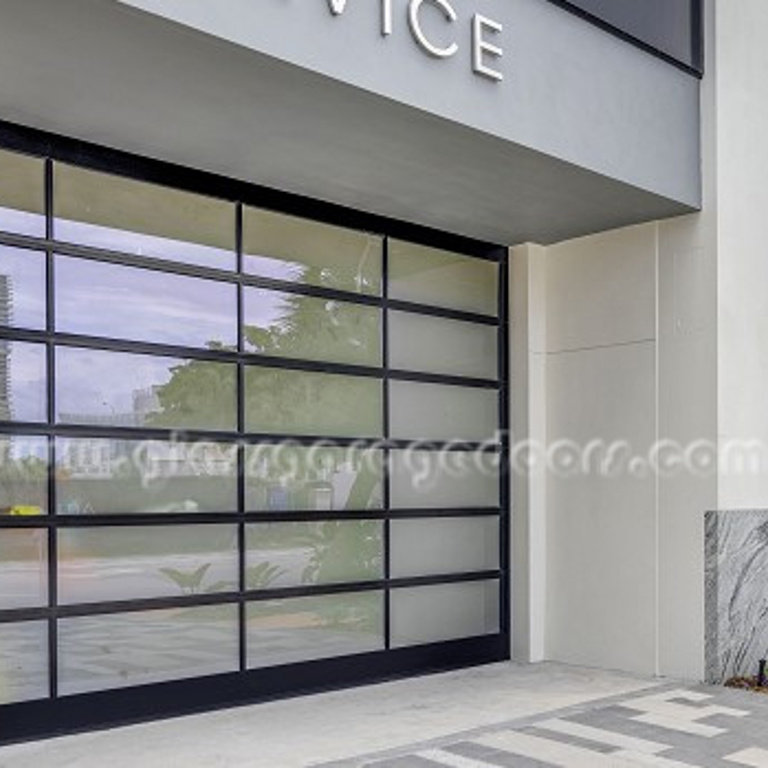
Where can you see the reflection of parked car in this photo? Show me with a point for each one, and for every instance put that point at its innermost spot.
(25, 510)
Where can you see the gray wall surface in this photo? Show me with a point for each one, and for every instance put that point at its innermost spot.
(571, 90)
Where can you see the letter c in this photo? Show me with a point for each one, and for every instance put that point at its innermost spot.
(418, 32)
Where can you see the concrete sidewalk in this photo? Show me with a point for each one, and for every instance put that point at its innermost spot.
(336, 726)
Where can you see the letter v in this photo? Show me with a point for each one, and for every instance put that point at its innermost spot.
(337, 6)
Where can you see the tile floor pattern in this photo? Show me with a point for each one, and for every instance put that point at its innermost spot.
(667, 728)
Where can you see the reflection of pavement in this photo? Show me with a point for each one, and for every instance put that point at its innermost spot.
(103, 652)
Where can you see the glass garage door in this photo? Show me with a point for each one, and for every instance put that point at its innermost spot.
(243, 451)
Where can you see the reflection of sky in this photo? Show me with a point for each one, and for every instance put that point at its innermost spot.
(277, 269)
(19, 447)
(26, 380)
(101, 384)
(263, 309)
(32, 224)
(142, 305)
(144, 245)
(26, 272)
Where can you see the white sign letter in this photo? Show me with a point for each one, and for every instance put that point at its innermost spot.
(418, 32)
(337, 6)
(482, 47)
(386, 17)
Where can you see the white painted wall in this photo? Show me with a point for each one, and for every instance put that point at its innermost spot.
(655, 333)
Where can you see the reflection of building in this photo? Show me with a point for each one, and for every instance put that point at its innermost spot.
(145, 403)
(6, 314)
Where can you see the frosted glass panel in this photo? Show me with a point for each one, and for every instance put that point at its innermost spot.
(444, 545)
(119, 302)
(307, 628)
(444, 612)
(284, 478)
(294, 326)
(23, 662)
(308, 553)
(22, 194)
(437, 412)
(101, 652)
(431, 276)
(300, 403)
(121, 214)
(23, 569)
(109, 564)
(456, 479)
(22, 288)
(127, 390)
(97, 476)
(23, 476)
(437, 345)
(22, 381)
(302, 251)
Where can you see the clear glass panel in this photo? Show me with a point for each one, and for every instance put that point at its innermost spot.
(426, 275)
(289, 325)
(23, 476)
(282, 478)
(109, 564)
(97, 476)
(22, 381)
(23, 569)
(115, 301)
(447, 480)
(444, 545)
(437, 412)
(444, 612)
(121, 214)
(308, 553)
(22, 288)
(127, 390)
(22, 194)
(307, 628)
(101, 652)
(437, 345)
(302, 251)
(23, 662)
(300, 403)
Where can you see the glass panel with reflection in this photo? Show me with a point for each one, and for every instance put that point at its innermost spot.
(101, 652)
(426, 275)
(121, 214)
(120, 389)
(23, 662)
(438, 345)
(444, 612)
(307, 628)
(287, 477)
(23, 476)
(115, 301)
(301, 403)
(130, 563)
(439, 412)
(290, 325)
(23, 568)
(447, 479)
(303, 251)
(22, 194)
(22, 288)
(96, 476)
(310, 553)
(23, 395)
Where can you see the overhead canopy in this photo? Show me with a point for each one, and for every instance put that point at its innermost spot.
(111, 74)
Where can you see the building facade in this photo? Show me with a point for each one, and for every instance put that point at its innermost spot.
(342, 340)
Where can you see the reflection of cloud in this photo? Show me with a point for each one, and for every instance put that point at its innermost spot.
(101, 384)
(123, 302)
(263, 309)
